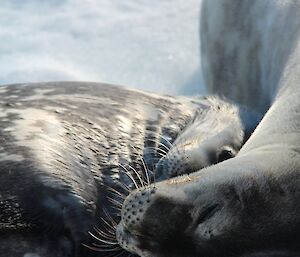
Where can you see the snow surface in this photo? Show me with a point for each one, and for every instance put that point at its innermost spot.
(146, 44)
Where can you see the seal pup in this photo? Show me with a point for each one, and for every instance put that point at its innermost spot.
(248, 205)
(70, 151)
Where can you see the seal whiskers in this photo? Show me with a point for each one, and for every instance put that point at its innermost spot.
(68, 151)
(242, 195)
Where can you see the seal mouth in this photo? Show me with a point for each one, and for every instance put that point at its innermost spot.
(130, 240)
(125, 238)
(122, 232)
(125, 229)
(125, 233)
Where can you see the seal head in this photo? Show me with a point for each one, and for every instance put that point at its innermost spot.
(215, 133)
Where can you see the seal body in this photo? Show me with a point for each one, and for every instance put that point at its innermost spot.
(243, 51)
(71, 151)
(248, 205)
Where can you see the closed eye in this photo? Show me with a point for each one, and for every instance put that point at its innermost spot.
(207, 213)
(225, 155)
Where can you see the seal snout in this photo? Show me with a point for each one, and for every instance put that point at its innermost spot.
(175, 163)
(133, 210)
(135, 206)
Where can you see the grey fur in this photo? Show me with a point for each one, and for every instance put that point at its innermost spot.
(248, 205)
(63, 144)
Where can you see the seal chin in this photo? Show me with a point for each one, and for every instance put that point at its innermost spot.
(124, 238)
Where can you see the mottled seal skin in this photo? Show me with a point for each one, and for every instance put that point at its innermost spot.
(70, 151)
(248, 205)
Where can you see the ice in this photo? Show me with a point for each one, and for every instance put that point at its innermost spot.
(146, 44)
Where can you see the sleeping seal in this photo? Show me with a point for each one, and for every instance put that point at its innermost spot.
(70, 151)
(248, 205)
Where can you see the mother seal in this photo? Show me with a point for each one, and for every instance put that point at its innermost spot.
(69, 151)
(248, 205)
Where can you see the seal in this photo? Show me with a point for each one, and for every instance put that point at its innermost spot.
(248, 205)
(71, 151)
(209, 138)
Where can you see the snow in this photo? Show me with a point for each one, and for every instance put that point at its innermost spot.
(151, 45)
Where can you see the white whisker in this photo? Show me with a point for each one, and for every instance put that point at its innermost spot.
(102, 250)
(159, 143)
(109, 226)
(113, 201)
(130, 176)
(102, 240)
(105, 235)
(144, 164)
(109, 217)
(157, 150)
(135, 172)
